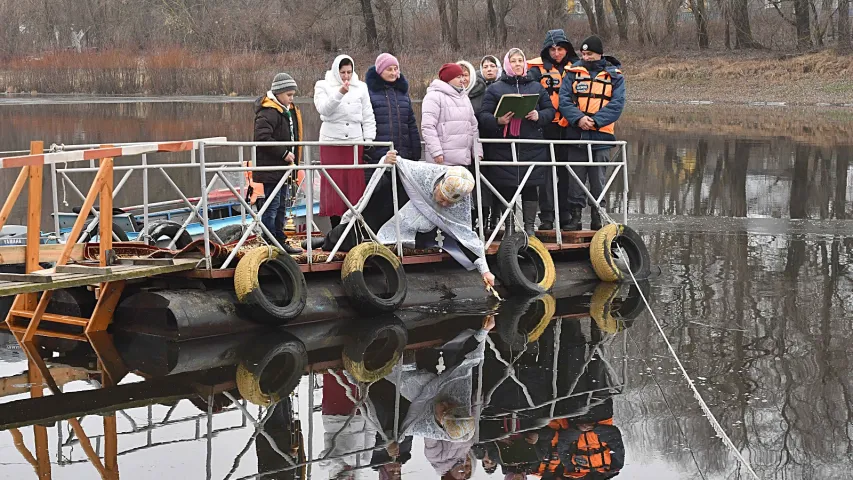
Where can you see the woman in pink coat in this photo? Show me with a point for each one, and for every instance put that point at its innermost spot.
(449, 126)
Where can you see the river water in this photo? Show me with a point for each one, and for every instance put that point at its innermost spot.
(746, 209)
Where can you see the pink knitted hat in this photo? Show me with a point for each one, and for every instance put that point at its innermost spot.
(385, 60)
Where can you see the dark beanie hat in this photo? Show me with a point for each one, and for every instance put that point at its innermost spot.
(593, 44)
(449, 71)
(282, 83)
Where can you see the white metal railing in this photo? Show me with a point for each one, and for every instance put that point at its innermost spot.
(554, 163)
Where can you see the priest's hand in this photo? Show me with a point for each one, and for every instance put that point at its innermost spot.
(391, 157)
(489, 279)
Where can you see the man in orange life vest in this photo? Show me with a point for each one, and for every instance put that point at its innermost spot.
(591, 99)
(557, 55)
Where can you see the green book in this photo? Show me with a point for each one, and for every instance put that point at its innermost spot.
(520, 105)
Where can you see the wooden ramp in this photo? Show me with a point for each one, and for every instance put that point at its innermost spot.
(67, 276)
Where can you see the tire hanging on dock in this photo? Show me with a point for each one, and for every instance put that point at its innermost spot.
(270, 286)
(271, 368)
(87, 236)
(355, 284)
(520, 323)
(166, 228)
(516, 247)
(372, 349)
(606, 259)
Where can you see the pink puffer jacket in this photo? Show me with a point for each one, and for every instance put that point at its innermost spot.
(449, 126)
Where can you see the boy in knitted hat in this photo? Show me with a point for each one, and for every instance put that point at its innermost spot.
(277, 120)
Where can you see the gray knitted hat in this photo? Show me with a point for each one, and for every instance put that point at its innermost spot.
(282, 83)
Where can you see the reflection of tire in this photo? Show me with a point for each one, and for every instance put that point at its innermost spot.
(601, 307)
(355, 284)
(283, 293)
(166, 228)
(520, 323)
(606, 261)
(86, 237)
(271, 369)
(372, 350)
(511, 250)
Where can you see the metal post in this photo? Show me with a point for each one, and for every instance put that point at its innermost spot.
(144, 192)
(556, 197)
(203, 200)
(479, 197)
(625, 184)
(309, 215)
(396, 210)
(55, 199)
(243, 187)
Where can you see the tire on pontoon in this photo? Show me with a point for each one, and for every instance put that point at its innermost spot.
(166, 228)
(86, 237)
(270, 286)
(356, 286)
(516, 247)
(606, 257)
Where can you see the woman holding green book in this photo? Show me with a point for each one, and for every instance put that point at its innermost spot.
(517, 90)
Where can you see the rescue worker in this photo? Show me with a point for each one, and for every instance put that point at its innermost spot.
(591, 99)
(558, 54)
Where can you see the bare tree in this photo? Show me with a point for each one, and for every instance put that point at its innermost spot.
(698, 8)
(369, 22)
(844, 24)
(620, 11)
(501, 9)
(601, 19)
(801, 22)
(589, 12)
(448, 13)
(739, 15)
(389, 36)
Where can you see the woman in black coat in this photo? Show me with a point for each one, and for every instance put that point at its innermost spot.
(507, 179)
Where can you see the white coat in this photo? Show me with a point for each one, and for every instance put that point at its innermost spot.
(345, 117)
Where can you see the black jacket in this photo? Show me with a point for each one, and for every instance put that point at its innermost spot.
(395, 118)
(273, 125)
(489, 128)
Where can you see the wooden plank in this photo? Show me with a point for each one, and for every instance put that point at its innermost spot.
(26, 278)
(77, 229)
(104, 309)
(34, 197)
(79, 280)
(105, 222)
(51, 333)
(38, 312)
(149, 261)
(17, 254)
(36, 369)
(52, 317)
(12, 197)
(85, 269)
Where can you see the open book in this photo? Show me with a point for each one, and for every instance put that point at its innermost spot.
(520, 105)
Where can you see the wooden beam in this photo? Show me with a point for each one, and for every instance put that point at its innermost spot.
(105, 220)
(52, 317)
(106, 306)
(34, 195)
(48, 253)
(35, 320)
(110, 362)
(87, 447)
(77, 229)
(20, 383)
(25, 277)
(37, 371)
(13, 196)
(84, 269)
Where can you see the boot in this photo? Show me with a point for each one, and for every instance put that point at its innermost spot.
(528, 214)
(574, 223)
(546, 224)
(290, 249)
(316, 242)
(595, 219)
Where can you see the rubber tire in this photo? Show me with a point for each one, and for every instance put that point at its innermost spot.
(358, 343)
(85, 238)
(230, 233)
(168, 229)
(260, 389)
(512, 318)
(355, 286)
(509, 270)
(254, 302)
(601, 255)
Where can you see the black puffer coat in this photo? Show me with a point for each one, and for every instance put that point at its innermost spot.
(489, 128)
(272, 125)
(395, 118)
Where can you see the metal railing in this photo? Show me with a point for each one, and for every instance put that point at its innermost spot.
(554, 164)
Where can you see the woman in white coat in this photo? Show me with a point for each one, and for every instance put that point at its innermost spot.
(344, 106)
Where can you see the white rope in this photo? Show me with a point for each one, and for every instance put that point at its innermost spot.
(708, 414)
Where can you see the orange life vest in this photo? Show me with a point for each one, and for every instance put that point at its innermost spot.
(551, 80)
(592, 94)
(590, 455)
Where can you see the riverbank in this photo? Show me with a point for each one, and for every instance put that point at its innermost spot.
(822, 78)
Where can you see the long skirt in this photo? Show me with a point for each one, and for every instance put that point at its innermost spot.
(351, 182)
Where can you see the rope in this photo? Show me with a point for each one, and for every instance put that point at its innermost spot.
(708, 414)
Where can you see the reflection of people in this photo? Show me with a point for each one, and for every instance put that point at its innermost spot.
(441, 404)
(438, 214)
(353, 438)
(288, 438)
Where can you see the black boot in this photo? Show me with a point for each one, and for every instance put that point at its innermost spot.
(528, 214)
(574, 223)
(595, 219)
(316, 242)
(546, 224)
(290, 249)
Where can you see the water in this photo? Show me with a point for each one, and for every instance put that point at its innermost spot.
(745, 208)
